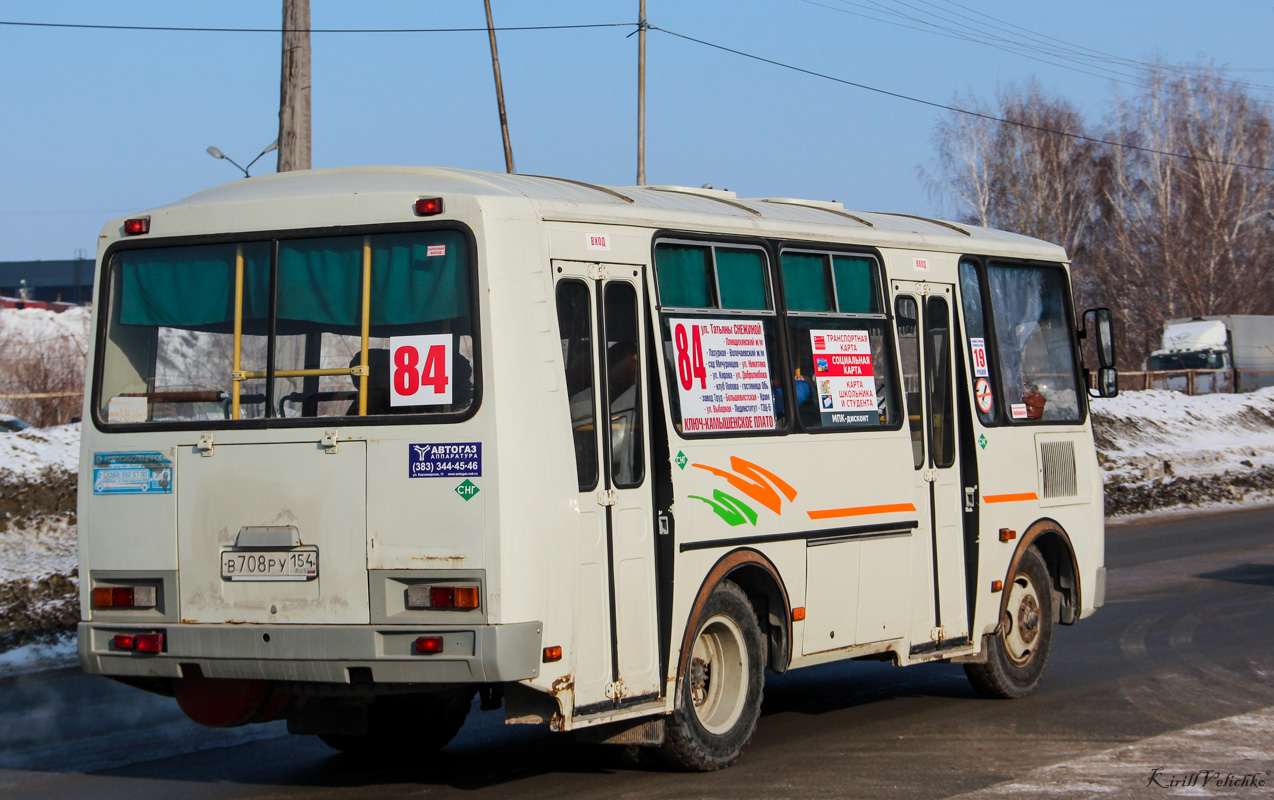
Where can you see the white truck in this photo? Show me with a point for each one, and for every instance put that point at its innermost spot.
(1243, 343)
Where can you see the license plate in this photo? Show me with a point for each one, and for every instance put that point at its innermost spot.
(298, 564)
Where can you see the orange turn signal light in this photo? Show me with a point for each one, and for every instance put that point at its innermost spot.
(997, 586)
(1007, 535)
(798, 614)
(466, 597)
(552, 654)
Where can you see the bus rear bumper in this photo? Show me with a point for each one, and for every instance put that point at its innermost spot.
(339, 654)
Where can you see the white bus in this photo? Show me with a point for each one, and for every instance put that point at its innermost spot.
(360, 444)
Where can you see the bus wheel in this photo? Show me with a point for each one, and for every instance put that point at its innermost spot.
(401, 725)
(1018, 650)
(721, 687)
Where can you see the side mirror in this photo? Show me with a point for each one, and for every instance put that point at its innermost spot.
(1107, 383)
(1107, 379)
(1105, 338)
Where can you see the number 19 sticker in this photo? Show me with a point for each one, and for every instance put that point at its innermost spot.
(979, 357)
(420, 370)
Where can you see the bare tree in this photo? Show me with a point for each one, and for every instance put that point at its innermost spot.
(1186, 234)
(1169, 219)
(1031, 175)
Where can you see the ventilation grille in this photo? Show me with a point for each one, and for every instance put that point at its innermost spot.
(1058, 460)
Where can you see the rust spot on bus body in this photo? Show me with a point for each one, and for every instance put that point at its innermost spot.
(562, 684)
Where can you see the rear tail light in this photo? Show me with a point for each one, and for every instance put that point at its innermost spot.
(428, 644)
(138, 225)
(139, 642)
(124, 597)
(150, 643)
(430, 596)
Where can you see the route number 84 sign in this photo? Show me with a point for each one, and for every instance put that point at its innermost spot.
(420, 370)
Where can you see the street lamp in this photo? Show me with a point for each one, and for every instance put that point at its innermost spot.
(215, 153)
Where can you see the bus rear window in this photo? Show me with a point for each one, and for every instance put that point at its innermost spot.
(326, 327)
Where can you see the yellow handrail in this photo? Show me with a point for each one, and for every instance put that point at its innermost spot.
(367, 319)
(237, 375)
(301, 373)
(238, 332)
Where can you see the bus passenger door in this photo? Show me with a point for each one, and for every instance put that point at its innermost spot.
(923, 313)
(616, 642)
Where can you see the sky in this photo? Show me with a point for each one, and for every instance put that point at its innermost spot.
(98, 123)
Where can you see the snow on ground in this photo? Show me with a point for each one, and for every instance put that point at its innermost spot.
(1160, 449)
(36, 549)
(31, 453)
(39, 325)
(1158, 433)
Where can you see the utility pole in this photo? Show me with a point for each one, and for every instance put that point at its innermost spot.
(294, 87)
(641, 95)
(499, 93)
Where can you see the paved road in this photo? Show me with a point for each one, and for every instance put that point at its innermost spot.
(1176, 672)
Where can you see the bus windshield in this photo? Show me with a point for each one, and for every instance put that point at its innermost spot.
(289, 328)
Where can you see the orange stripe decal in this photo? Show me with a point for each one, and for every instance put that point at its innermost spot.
(1009, 498)
(858, 511)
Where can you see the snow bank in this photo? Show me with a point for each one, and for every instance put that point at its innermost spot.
(1159, 433)
(39, 325)
(32, 453)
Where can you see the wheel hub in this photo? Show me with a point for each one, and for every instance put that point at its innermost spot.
(700, 675)
(1028, 619)
(1022, 621)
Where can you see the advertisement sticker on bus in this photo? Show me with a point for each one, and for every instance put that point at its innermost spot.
(843, 377)
(979, 357)
(723, 372)
(445, 460)
(132, 473)
(420, 370)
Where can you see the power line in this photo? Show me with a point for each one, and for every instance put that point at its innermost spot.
(1010, 38)
(958, 110)
(312, 30)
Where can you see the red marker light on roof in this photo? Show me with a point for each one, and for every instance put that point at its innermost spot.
(429, 206)
(133, 227)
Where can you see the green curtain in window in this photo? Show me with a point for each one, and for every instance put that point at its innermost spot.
(855, 285)
(804, 282)
(320, 280)
(416, 277)
(419, 279)
(684, 278)
(192, 287)
(741, 278)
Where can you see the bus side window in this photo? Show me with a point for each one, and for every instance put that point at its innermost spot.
(1038, 376)
(839, 342)
(623, 395)
(941, 416)
(975, 327)
(908, 320)
(574, 322)
(722, 361)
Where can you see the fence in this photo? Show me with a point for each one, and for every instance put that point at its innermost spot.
(1197, 381)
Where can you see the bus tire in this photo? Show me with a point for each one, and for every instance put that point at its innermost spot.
(398, 725)
(1018, 650)
(721, 688)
